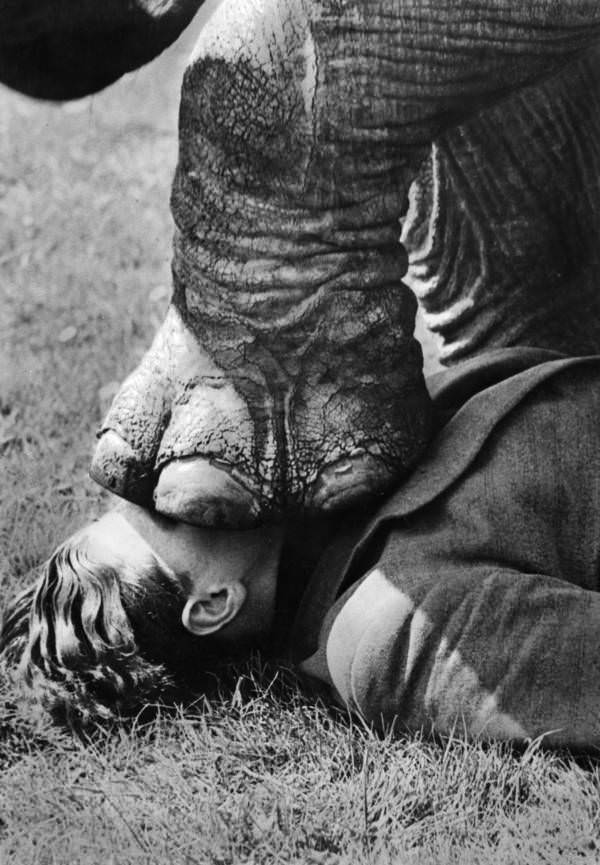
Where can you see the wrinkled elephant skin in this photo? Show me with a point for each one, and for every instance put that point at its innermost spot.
(503, 224)
(286, 374)
(302, 125)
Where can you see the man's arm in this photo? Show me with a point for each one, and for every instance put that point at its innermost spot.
(487, 652)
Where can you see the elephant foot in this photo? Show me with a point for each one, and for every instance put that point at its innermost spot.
(196, 491)
(240, 443)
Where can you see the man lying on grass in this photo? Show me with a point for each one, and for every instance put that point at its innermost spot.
(468, 601)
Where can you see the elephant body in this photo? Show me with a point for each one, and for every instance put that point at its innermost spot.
(287, 374)
(503, 228)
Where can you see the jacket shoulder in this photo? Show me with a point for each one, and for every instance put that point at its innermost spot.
(459, 442)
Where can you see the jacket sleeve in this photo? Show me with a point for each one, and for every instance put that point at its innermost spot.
(484, 651)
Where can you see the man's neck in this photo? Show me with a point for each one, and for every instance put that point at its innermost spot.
(306, 539)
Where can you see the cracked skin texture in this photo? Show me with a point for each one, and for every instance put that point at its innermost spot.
(286, 374)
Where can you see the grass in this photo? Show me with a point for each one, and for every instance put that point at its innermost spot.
(261, 773)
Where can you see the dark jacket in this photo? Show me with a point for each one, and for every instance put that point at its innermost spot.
(470, 602)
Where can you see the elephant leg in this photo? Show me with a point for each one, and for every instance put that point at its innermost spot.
(302, 125)
(287, 273)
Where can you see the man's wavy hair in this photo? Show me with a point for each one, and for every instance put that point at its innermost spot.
(98, 641)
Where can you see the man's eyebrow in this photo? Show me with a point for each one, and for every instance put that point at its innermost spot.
(164, 568)
(182, 579)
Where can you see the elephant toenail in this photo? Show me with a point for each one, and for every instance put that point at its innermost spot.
(203, 492)
(221, 464)
(343, 468)
(346, 483)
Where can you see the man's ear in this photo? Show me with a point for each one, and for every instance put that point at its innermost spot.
(210, 610)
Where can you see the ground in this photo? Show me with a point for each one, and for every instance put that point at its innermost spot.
(260, 774)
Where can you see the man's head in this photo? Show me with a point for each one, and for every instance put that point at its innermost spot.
(132, 600)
